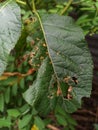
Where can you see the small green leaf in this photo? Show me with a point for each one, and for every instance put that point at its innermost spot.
(71, 127)
(7, 95)
(1, 102)
(59, 110)
(61, 120)
(13, 112)
(15, 89)
(24, 109)
(34, 112)
(22, 83)
(25, 121)
(20, 100)
(71, 120)
(5, 123)
(39, 123)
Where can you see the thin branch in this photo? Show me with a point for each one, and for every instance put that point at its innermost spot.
(83, 118)
(66, 7)
(21, 2)
(83, 111)
(9, 74)
(52, 127)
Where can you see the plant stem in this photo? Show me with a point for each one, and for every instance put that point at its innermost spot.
(66, 7)
(33, 4)
(52, 127)
(21, 2)
(36, 13)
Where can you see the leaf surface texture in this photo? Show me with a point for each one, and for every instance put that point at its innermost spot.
(10, 28)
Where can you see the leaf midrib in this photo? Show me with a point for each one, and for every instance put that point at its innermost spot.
(47, 46)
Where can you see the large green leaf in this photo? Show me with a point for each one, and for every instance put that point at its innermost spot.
(68, 52)
(69, 57)
(10, 28)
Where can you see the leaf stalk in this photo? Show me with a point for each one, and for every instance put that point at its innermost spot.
(21, 2)
(66, 7)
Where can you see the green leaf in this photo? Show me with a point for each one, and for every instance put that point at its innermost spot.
(22, 83)
(1, 102)
(5, 123)
(39, 123)
(60, 111)
(96, 126)
(71, 127)
(7, 95)
(34, 112)
(71, 120)
(39, 88)
(24, 128)
(68, 52)
(24, 109)
(25, 121)
(44, 106)
(10, 28)
(70, 105)
(13, 112)
(15, 89)
(61, 120)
